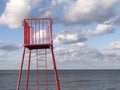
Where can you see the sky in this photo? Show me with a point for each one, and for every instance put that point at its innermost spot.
(86, 33)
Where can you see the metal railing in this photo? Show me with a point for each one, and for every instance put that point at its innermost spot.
(37, 31)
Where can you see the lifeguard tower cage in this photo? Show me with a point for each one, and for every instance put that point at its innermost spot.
(38, 37)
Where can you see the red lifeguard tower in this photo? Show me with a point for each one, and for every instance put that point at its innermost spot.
(38, 37)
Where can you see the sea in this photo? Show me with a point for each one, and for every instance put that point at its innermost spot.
(69, 80)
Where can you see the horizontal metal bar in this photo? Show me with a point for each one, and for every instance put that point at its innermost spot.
(42, 79)
(41, 60)
(38, 19)
(42, 84)
(42, 66)
(40, 72)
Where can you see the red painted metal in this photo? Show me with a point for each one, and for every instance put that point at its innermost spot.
(55, 70)
(20, 72)
(41, 75)
(26, 33)
(28, 71)
(37, 31)
(38, 37)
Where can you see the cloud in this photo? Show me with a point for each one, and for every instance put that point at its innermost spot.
(2, 54)
(71, 48)
(79, 52)
(55, 2)
(114, 20)
(8, 47)
(73, 12)
(78, 45)
(74, 36)
(114, 46)
(16, 11)
(101, 29)
(68, 38)
(82, 12)
(68, 53)
(68, 12)
(40, 35)
(86, 58)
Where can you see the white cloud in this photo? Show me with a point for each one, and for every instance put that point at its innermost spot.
(44, 12)
(2, 54)
(67, 38)
(78, 45)
(74, 36)
(40, 35)
(62, 11)
(114, 46)
(86, 57)
(56, 2)
(101, 29)
(82, 12)
(72, 12)
(16, 11)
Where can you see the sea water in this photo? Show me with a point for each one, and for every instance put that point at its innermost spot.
(69, 80)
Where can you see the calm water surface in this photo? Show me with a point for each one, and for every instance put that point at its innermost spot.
(69, 80)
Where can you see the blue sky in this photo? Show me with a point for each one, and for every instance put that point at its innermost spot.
(86, 34)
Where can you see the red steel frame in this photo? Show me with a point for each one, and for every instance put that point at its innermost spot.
(37, 35)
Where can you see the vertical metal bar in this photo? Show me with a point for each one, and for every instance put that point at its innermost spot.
(39, 30)
(37, 58)
(20, 72)
(46, 70)
(32, 32)
(55, 70)
(28, 71)
(49, 34)
(53, 59)
(24, 32)
(46, 31)
(37, 69)
(32, 35)
(35, 32)
(29, 31)
(50, 31)
(43, 30)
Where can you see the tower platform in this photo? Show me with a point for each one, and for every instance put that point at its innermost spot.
(38, 46)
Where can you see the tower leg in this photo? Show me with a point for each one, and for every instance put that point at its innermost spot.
(55, 70)
(28, 71)
(20, 72)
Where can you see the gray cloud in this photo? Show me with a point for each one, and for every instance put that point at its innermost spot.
(114, 46)
(114, 20)
(69, 37)
(87, 58)
(2, 54)
(82, 12)
(9, 48)
(74, 36)
(68, 12)
(16, 11)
